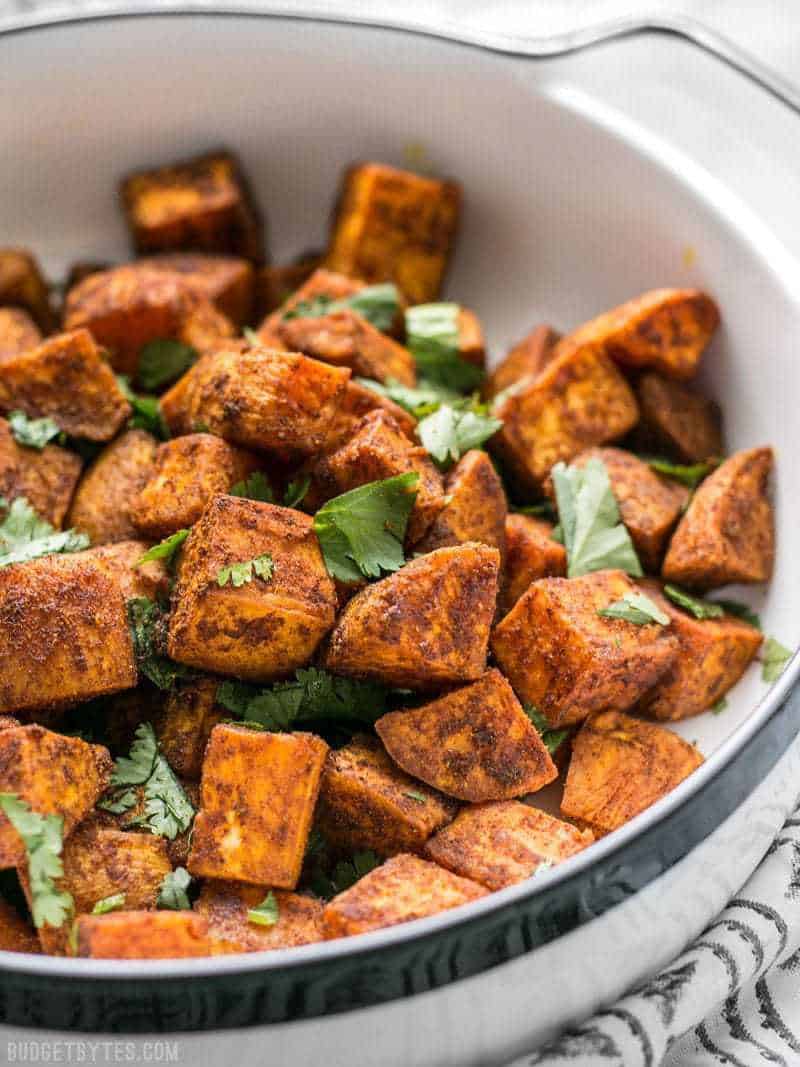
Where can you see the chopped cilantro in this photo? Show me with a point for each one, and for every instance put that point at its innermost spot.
(690, 475)
(432, 336)
(254, 487)
(774, 657)
(447, 434)
(637, 609)
(701, 609)
(163, 361)
(24, 535)
(172, 894)
(741, 611)
(296, 491)
(146, 411)
(412, 794)
(544, 509)
(251, 336)
(378, 304)
(107, 904)
(147, 625)
(32, 433)
(238, 574)
(265, 913)
(165, 549)
(420, 400)
(345, 874)
(552, 739)
(719, 705)
(42, 836)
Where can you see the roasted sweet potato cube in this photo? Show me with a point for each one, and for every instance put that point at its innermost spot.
(359, 400)
(64, 634)
(18, 332)
(567, 660)
(394, 226)
(127, 307)
(475, 507)
(379, 449)
(471, 342)
(474, 743)
(16, 933)
(187, 474)
(425, 627)
(101, 506)
(200, 205)
(190, 714)
(266, 627)
(403, 888)
(531, 553)
(81, 269)
(665, 329)
(120, 561)
(22, 286)
(727, 534)
(580, 399)
(67, 379)
(224, 905)
(7, 722)
(620, 766)
(257, 798)
(258, 398)
(228, 282)
(677, 419)
(527, 359)
(713, 654)
(53, 774)
(143, 935)
(46, 478)
(275, 284)
(503, 843)
(366, 802)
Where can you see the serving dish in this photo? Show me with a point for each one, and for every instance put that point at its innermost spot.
(591, 194)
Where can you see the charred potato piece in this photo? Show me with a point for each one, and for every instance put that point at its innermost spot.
(358, 401)
(394, 226)
(580, 399)
(257, 798)
(143, 935)
(367, 803)
(22, 286)
(475, 507)
(227, 282)
(53, 774)
(262, 629)
(46, 478)
(101, 506)
(620, 766)
(190, 714)
(567, 660)
(503, 843)
(18, 332)
(66, 378)
(16, 933)
(527, 359)
(665, 329)
(727, 534)
(713, 654)
(678, 420)
(224, 905)
(403, 888)
(187, 474)
(64, 635)
(196, 205)
(474, 743)
(531, 553)
(424, 627)
(274, 285)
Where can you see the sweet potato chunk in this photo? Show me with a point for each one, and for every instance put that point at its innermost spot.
(200, 205)
(678, 420)
(257, 798)
(16, 933)
(563, 657)
(367, 803)
(18, 332)
(126, 307)
(474, 743)
(358, 401)
(120, 560)
(527, 359)
(503, 843)
(394, 226)
(224, 905)
(475, 508)
(187, 474)
(47, 478)
(620, 766)
(264, 628)
(227, 282)
(580, 399)
(403, 888)
(471, 343)
(53, 774)
(713, 654)
(425, 627)
(190, 714)
(727, 534)
(379, 449)
(22, 286)
(67, 379)
(666, 329)
(101, 506)
(143, 935)
(64, 634)
(275, 284)
(531, 553)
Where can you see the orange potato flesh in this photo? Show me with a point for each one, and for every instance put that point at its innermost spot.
(358, 401)
(143, 935)
(475, 507)
(119, 562)
(46, 478)
(101, 506)
(16, 933)
(22, 286)
(471, 342)
(18, 332)
(228, 282)
(677, 420)
(224, 906)
(525, 360)
(531, 553)
(190, 714)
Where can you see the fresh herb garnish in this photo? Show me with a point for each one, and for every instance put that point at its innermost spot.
(165, 549)
(163, 361)
(254, 487)
(172, 894)
(774, 657)
(265, 913)
(25, 536)
(147, 623)
(697, 606)
(432, 337)
(741, 611)
(719, 705)
(544, 509)
(238, 574)
(378, 304)
(637, 609)
(251, 336)
(552, 739)
(361, 532)
(146, 411)
(345, 874)
(540, 868)
(690, 475)
(590, 524)
(296, 491)
(42, 836)
(419, 401)
(412, 794)
(107, 904)
(447, 434)
(32, 433)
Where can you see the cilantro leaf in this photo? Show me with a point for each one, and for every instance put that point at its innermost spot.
(447, 434)
(544, 509)
(361, 532)
(265, 913)
(774, 657)
(552, 739)
(296, 491)
(172, 894)
(32, 433)
(741, 611)
(42, 836)
(107, 904)
(697, 606)
(345, 874)
(719, 705)
(412, 794)
(147, 625)
(637, 609)
(146, 411)
(420, 400)
(254, 487)
(165, 549)
(163, 360)
(238, 574)
(378, 304)
(432, 337)
(24, 535)
(690, 475)
(593, 534)
(251, 336)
